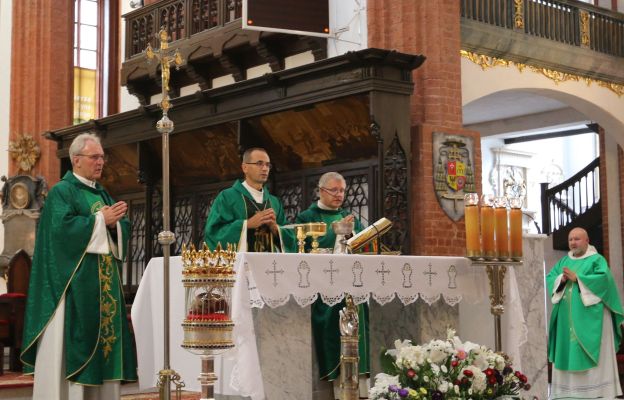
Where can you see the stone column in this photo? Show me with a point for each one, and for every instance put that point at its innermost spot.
(41, 76)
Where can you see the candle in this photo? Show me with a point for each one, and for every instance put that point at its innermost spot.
(501, 228)
(471, 215)
(487, 227)
(515, 228)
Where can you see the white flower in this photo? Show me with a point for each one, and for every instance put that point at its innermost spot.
(426, 378)
(450, 333)
(382, 381)
(499, 362)
(435, 368)
(398, 345)
(480, 361)
(444, 369)
(456, 388)
(443, 386)
(410, 356)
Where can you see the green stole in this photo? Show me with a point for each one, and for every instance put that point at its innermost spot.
(260, 239)
(325, 319)
(106, 363)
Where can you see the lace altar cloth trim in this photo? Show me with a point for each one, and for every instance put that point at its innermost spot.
(272, 279)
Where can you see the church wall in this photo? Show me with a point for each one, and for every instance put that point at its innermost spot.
(41, 77)
(612, 233)
(433, 30)
(5, 95)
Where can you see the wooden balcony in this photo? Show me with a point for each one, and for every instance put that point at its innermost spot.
(209, 35)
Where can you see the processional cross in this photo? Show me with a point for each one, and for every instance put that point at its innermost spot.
(166, 238)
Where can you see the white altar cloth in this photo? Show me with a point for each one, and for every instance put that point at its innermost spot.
(268, 278)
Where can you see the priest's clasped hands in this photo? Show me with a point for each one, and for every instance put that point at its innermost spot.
(568, 274)
(264, 217)
(112, 214)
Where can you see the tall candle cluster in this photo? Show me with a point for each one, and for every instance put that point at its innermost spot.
(493, 227)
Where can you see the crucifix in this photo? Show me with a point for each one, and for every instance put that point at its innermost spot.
(166, 238)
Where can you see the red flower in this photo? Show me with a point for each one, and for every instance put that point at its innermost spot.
(411, 373)
(492, 380)
(489, 372)
(454, 363)
(523, 378)
(468, 373)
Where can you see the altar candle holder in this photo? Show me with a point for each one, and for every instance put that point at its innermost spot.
(471, 215)
(515, 228)
(501, 228)
(487, 227)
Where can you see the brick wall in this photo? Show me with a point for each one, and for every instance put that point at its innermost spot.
(430, 28)
(41, 76)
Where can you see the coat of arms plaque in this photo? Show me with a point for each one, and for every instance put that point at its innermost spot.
(453, 174)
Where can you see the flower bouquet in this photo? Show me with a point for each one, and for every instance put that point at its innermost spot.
(446, 369)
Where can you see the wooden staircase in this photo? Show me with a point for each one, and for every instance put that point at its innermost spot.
(574, 203)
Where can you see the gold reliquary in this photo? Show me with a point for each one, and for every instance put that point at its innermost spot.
(208, 278)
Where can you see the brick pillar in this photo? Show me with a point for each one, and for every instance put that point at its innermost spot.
(430, 28)
(41, 76)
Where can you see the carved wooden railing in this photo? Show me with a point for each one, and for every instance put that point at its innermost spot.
(567, 21)
(563, 203)
(181, 18)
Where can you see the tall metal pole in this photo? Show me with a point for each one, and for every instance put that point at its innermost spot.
(166, 238)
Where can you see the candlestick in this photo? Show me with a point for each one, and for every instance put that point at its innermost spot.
(487, 227)
(471, 215)
(501, 228)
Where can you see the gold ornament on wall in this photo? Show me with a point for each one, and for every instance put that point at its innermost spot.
(485, 62)
(25, 151)
(519, 14)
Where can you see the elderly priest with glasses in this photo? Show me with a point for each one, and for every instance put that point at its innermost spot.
(76, 336)
(247, 215)
(325, 318)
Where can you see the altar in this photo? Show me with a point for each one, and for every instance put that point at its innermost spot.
(273, 357)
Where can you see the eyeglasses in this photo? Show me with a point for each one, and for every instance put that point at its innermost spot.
(334, 191)
(261, 164)
(94, 157)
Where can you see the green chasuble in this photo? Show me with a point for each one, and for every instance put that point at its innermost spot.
(97, 341)
(232, 207)
(325, 319)
(575, 329)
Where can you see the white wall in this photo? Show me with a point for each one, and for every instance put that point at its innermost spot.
(5, 93)
(127, 101)
(347, 20)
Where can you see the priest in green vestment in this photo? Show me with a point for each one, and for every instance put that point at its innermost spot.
(585, 323)
(76, 336)
(247, 215)
(325, 318)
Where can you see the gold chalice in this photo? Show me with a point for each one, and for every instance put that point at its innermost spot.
(315, 230)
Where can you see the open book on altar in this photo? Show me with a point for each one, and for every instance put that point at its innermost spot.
(370, 234)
